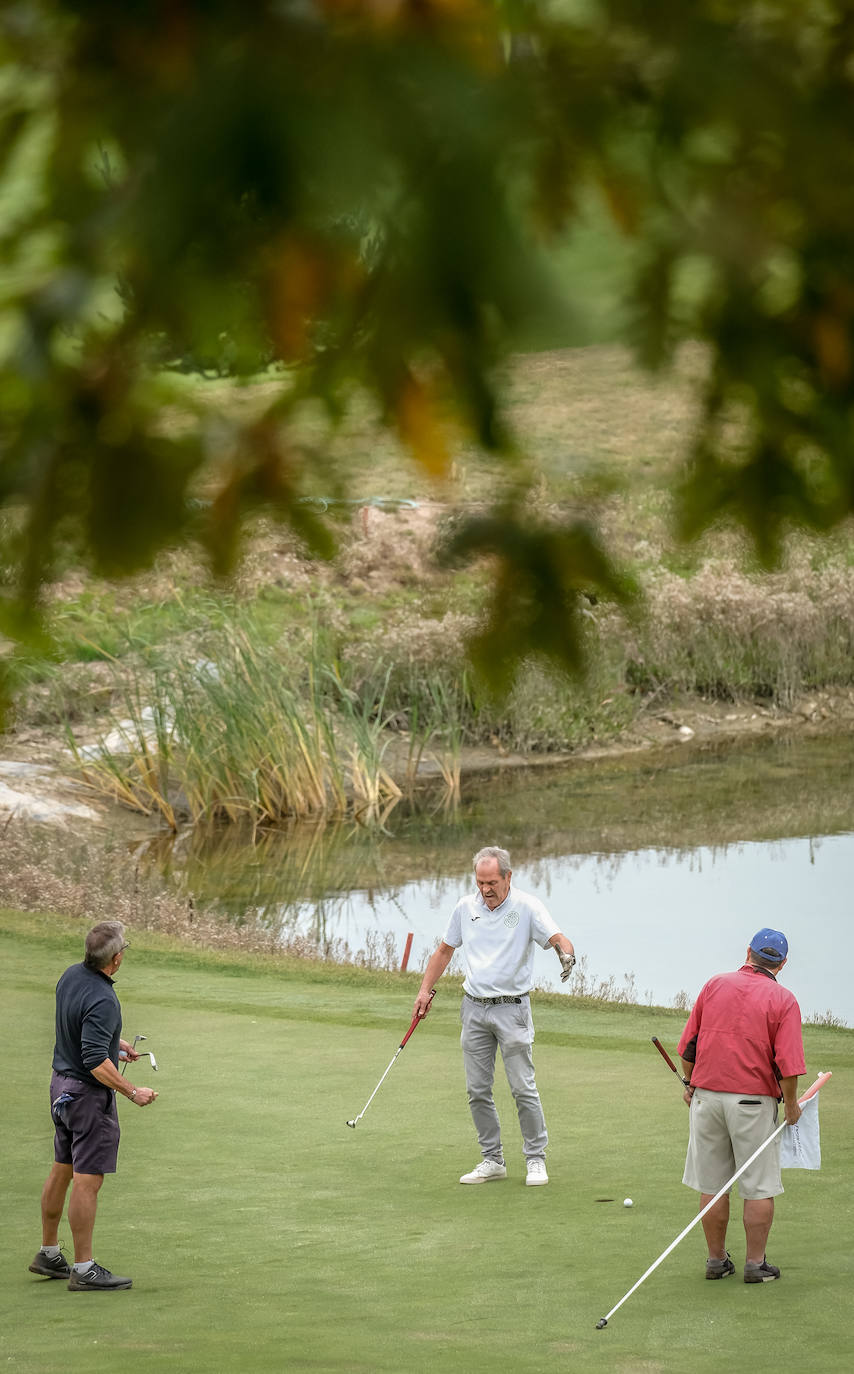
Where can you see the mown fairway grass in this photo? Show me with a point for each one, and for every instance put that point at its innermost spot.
(262, 1234)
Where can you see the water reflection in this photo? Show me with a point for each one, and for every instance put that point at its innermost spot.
(658, 869)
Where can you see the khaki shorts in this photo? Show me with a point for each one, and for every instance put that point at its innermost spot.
(726, 1128)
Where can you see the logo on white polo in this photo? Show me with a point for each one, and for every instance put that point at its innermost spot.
(511, 920)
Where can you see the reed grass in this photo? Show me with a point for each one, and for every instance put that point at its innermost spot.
(365, 722)
(241, 736)
(233, 725)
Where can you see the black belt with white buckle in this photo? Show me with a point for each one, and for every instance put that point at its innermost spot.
(493, 1001)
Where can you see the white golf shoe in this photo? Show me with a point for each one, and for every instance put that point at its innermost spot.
(536, 1173)
(486, 1171)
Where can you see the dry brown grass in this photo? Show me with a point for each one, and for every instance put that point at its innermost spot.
(725, 633)
(713, 626)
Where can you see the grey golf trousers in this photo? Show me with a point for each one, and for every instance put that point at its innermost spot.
(484, 1029)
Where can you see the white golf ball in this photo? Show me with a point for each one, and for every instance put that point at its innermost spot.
(627, 1202)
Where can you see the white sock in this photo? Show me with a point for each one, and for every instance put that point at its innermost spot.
(83, 1267)
(51, 1251)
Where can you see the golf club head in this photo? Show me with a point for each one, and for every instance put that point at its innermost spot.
(137, 1038)
(352, 1123)
(153, 1060)
(602, 1322)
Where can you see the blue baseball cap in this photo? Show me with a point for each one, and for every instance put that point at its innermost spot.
(770, 944)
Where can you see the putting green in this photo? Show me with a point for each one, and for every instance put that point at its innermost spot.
(262, 1234)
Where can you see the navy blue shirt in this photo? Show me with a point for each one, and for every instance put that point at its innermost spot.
(88, 1023)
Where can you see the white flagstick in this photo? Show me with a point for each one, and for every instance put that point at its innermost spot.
(810, 1092)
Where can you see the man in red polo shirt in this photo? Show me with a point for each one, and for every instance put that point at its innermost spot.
(742, 1051)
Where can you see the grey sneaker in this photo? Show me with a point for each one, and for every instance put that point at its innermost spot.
(536, 1172)
(719, 1269)
(486, 1171)
(761, 1273)
(96, 1280)
(57, 1268)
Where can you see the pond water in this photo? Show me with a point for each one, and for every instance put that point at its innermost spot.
(660, 869)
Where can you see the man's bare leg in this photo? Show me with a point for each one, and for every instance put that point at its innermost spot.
(81, 1213)
(758, 1216)
(53, 1202)
(715, 1223)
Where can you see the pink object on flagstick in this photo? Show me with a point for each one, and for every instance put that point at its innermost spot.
(811, 1091)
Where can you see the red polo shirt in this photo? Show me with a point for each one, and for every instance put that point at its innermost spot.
(744, 1025)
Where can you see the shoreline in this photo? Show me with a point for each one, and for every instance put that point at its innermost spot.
(34, 785)
(694, 726)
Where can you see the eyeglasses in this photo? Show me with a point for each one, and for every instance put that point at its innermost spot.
(124, 947)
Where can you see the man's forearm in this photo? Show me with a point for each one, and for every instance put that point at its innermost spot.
(562, 943)
(791, 1106)
(108, 1074)
(436, 965)
(565, 951)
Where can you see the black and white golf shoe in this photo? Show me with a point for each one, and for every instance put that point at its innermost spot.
(56, 1267)
(761, 1273)
(96, 1280)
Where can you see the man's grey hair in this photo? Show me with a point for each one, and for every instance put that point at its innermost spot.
(103, 943)
(492, 851)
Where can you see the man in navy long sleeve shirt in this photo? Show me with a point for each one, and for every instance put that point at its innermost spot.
(83, 1088)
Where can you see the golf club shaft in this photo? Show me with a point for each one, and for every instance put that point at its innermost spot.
(810, 1092)
(666, 1057)
(415, 1021)
(379, 1085)
(136, 1040)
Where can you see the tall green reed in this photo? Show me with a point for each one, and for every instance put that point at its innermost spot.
(242, 734)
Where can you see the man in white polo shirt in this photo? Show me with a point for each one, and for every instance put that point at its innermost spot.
(497, 928)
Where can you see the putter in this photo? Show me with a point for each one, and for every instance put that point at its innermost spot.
(810, 1092)
(415, 1021)
(136, 1039)
(666, 1057)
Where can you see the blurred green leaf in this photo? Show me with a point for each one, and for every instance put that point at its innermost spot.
(367, 194)
(546, 575)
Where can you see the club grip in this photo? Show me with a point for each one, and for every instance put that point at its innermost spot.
(668, 1061)
(665, 1056)
(417, 1018)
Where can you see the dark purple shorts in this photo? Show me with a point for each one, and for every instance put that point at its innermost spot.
(87, 1126)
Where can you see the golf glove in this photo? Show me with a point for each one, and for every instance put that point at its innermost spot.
(567, 964)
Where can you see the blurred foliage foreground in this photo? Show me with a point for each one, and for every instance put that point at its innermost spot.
(363, 195)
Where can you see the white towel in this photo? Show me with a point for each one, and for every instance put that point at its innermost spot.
(800, 1146)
